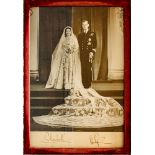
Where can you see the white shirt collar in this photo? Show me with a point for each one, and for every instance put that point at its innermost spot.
(85, 31)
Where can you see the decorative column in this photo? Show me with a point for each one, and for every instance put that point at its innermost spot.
(115, 43)
(34, 43)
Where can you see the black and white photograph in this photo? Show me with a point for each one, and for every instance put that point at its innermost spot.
(77, 77)
(77, 72)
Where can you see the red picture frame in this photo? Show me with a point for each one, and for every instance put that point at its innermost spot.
(127, 75)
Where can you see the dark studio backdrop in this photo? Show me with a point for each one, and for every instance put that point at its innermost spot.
(52, 21)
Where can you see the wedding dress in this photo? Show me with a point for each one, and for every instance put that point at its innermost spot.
(83, 108)
(65, 65)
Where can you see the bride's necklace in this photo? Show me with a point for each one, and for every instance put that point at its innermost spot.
(68, 40)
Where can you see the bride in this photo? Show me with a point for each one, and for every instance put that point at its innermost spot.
(83, 108)
(65, 66)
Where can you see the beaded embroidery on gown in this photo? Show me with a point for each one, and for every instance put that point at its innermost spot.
(83, 108)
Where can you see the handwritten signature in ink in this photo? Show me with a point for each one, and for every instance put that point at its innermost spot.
(97, 139)
(55, 138)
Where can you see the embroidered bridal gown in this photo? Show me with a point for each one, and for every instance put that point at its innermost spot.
(65, 64)
(83, 108)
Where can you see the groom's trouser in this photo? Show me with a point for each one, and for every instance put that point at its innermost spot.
(86, 69)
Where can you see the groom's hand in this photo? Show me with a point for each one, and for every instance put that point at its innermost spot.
(91, 55)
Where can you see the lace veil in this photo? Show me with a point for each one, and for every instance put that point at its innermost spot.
(56, 60)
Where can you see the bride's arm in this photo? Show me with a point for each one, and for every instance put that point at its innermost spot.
(65, 47)
(76, 44)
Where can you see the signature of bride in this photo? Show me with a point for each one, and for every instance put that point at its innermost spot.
(55, 138)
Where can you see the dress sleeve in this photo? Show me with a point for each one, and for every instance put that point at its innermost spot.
(64, 47)
(76, 44)
(79, 39)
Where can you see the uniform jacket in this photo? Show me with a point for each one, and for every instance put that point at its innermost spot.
(87, 42)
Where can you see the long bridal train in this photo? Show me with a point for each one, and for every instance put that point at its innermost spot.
(83, 108)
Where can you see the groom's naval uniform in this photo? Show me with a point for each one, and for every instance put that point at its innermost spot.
(87, 42)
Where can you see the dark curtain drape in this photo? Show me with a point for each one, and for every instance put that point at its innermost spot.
(52, 21)
(103, 67)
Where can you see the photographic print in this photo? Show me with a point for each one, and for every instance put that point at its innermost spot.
(78, 79)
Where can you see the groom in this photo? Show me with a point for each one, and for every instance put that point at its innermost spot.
(87, 43)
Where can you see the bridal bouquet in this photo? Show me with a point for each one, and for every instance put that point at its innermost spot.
(69, 48)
